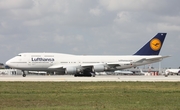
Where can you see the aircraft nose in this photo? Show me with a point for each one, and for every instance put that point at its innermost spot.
(8, 63)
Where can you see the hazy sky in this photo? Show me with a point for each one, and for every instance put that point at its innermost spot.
(113, 27)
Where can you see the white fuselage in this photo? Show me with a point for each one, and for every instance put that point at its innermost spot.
(54, 61)
(172, 71)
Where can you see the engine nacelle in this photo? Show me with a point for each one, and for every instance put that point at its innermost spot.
(98, 68)
(71, 70)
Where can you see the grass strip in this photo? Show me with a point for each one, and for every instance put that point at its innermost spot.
(89, 95)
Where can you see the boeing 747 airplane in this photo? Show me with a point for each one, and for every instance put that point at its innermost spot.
(87, 65)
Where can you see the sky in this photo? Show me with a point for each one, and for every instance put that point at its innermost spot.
(83, 27)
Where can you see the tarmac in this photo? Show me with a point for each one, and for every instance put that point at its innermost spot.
(98, 78)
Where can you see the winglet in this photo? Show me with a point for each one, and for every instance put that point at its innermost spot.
(153, 47)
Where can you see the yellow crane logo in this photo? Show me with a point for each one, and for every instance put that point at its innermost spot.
(155, 44)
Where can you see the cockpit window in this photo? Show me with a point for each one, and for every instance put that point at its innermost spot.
(19, 55)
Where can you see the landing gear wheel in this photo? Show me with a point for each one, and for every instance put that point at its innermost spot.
(24, 75)
(93, 74)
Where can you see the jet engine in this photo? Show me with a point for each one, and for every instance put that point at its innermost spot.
(71, 70)
(98, 68)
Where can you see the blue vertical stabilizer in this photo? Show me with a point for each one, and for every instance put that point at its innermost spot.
(153, 47)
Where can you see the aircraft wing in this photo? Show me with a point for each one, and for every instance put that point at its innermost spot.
(111, 64)
(114, 64)
(84, 66)
(57, 66)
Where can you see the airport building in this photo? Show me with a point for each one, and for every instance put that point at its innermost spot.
(10, 72)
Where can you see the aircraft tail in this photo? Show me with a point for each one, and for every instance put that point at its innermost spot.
(141, 71)
(153, 47)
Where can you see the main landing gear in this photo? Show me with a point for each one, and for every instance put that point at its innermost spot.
(85, 73)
